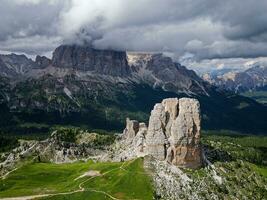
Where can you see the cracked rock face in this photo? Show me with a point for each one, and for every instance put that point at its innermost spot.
(85, 58)
(173, 133)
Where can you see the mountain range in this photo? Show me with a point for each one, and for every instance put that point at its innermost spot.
(83, 86)
(251, 79)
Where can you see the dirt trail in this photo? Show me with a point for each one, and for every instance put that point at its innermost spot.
(5, 175)
(81, 189)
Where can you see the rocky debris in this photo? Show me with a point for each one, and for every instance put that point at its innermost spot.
(53, 150)
(169, 181)
(223, 180)
(85, 58)
(10, 159)
(56, 150)
(173, 134)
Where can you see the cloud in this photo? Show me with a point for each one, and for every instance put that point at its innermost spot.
(25, 2)
(246, 20)
(209, 65)
(201, 30)
(31, 45)
(229, 49)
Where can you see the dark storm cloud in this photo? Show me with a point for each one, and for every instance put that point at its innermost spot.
(205, 29)
(245, 20)
(19, 20)
(29, 26)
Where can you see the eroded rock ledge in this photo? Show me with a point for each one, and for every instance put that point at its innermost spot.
(173, 134)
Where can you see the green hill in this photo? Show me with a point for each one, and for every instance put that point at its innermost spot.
(126, 180)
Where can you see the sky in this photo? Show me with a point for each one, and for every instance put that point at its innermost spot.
(202, 34)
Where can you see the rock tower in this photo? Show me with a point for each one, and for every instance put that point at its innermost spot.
(173, 133)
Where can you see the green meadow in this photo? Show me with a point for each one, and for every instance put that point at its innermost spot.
(124, 180)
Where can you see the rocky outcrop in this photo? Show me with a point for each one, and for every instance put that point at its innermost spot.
(85, 58)
(56, 150)
(173, 133)
(132, 127)
(132, 143)
(42, 62)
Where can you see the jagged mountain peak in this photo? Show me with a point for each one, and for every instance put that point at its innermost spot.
(42, 61)
(240, 81)
(154, 69)
(161, 71)
(14, 65)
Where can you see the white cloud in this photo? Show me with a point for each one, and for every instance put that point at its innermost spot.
(209, 65)
(23, 2)
(190, 30)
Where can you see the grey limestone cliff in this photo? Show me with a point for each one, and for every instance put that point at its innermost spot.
(173, 133)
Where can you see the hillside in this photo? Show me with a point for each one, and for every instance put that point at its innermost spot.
(234, 173)
(167, 158)
(82, 86)
(260, 94)
(68, 184)
(133, 100)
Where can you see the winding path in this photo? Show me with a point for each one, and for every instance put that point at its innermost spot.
(81, 188)
(5, 175)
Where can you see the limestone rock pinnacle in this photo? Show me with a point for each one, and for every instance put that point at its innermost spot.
(173, 133)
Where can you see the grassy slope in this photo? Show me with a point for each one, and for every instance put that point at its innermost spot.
(260, 96)
(240, 156)
(260, 169)
(107, 108)
(252, 149)
(40, 178)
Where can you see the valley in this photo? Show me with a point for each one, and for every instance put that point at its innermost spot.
(259, 95)
(79, 81)
(61, 128)
(73, 163)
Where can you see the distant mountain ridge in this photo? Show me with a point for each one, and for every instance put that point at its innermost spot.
(154, 69)
(15, 65)
(83, 86)
(250, 79)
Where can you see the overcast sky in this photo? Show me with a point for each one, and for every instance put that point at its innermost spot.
(200, 33)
